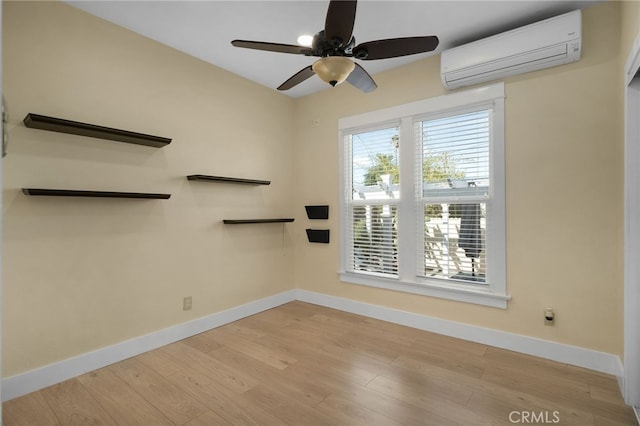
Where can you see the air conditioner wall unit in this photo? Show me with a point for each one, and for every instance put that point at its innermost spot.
(554, 41)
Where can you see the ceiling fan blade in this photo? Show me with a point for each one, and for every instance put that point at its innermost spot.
(395, 47)
(338, 24)
(361, 79)
(297, 78)
(272, 47)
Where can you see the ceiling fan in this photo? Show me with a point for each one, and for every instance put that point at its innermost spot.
(336, 44)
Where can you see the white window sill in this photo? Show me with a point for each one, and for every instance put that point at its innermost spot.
(457, 292)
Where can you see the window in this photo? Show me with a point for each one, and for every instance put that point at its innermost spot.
(373, 211)
(454, 176)
(422, 206)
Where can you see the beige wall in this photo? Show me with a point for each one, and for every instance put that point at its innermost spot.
(630, 25)
(564, 154)
(80, 274)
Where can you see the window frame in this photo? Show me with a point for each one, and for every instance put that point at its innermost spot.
(494, 293)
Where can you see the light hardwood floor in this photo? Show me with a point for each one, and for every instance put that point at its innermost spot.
(301, 364)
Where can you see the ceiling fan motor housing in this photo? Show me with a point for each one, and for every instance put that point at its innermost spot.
(322, 47)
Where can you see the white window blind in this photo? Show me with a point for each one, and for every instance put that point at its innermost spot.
(454, 171)
(375, 175)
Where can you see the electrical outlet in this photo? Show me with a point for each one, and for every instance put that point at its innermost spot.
(549, 316)
(315, 122)
(186, 303)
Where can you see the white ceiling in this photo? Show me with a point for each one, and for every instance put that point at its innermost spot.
(205, 29)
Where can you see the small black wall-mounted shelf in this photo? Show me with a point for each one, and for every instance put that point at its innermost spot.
(43, 122)
(244, 221)
(228, 180)
(99, 194)
(318, 236)
(317, 212)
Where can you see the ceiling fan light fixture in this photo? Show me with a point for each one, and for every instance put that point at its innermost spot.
(333, 69)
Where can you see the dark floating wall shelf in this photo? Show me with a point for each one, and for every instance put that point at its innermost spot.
(317, 212)
(100, 194)
(318, 235)
(228, 180)
(42, 122)
(243, 221)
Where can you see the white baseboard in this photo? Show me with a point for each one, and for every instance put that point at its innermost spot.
(33, 380)
(574, 355)
(637, 411)
(30, 381)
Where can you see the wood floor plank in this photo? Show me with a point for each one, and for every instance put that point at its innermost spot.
(506, 357)
(392, 407)
(256, 322)
(603, 421)
(518, 400)
(596, 392)
(246, 331)
(334, 313)
(510, 363)
(330, 327)
(349, 413)
(489, 406)
(270, 319)
(157, 390)
(328, 361)
(306, 341)
(304, 364)
(612, 412)
(234, 380)
(29, 410)
(300, 388)
(426, 339)
(253, 349)
(297, 310)
(606, 394)
(258, 370)
(591, 377)
(161, 362)
(411, 363)
(233, 408)
(402, 339)
(371, 346)
(430, 386)
(301, 340)
(122, 403)
(447, 358)
(428, 400)
(288, 410)
(73, 405)
(202, 342)
(325, 383)
(423, 339)
(208, 419)
(562, 390)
